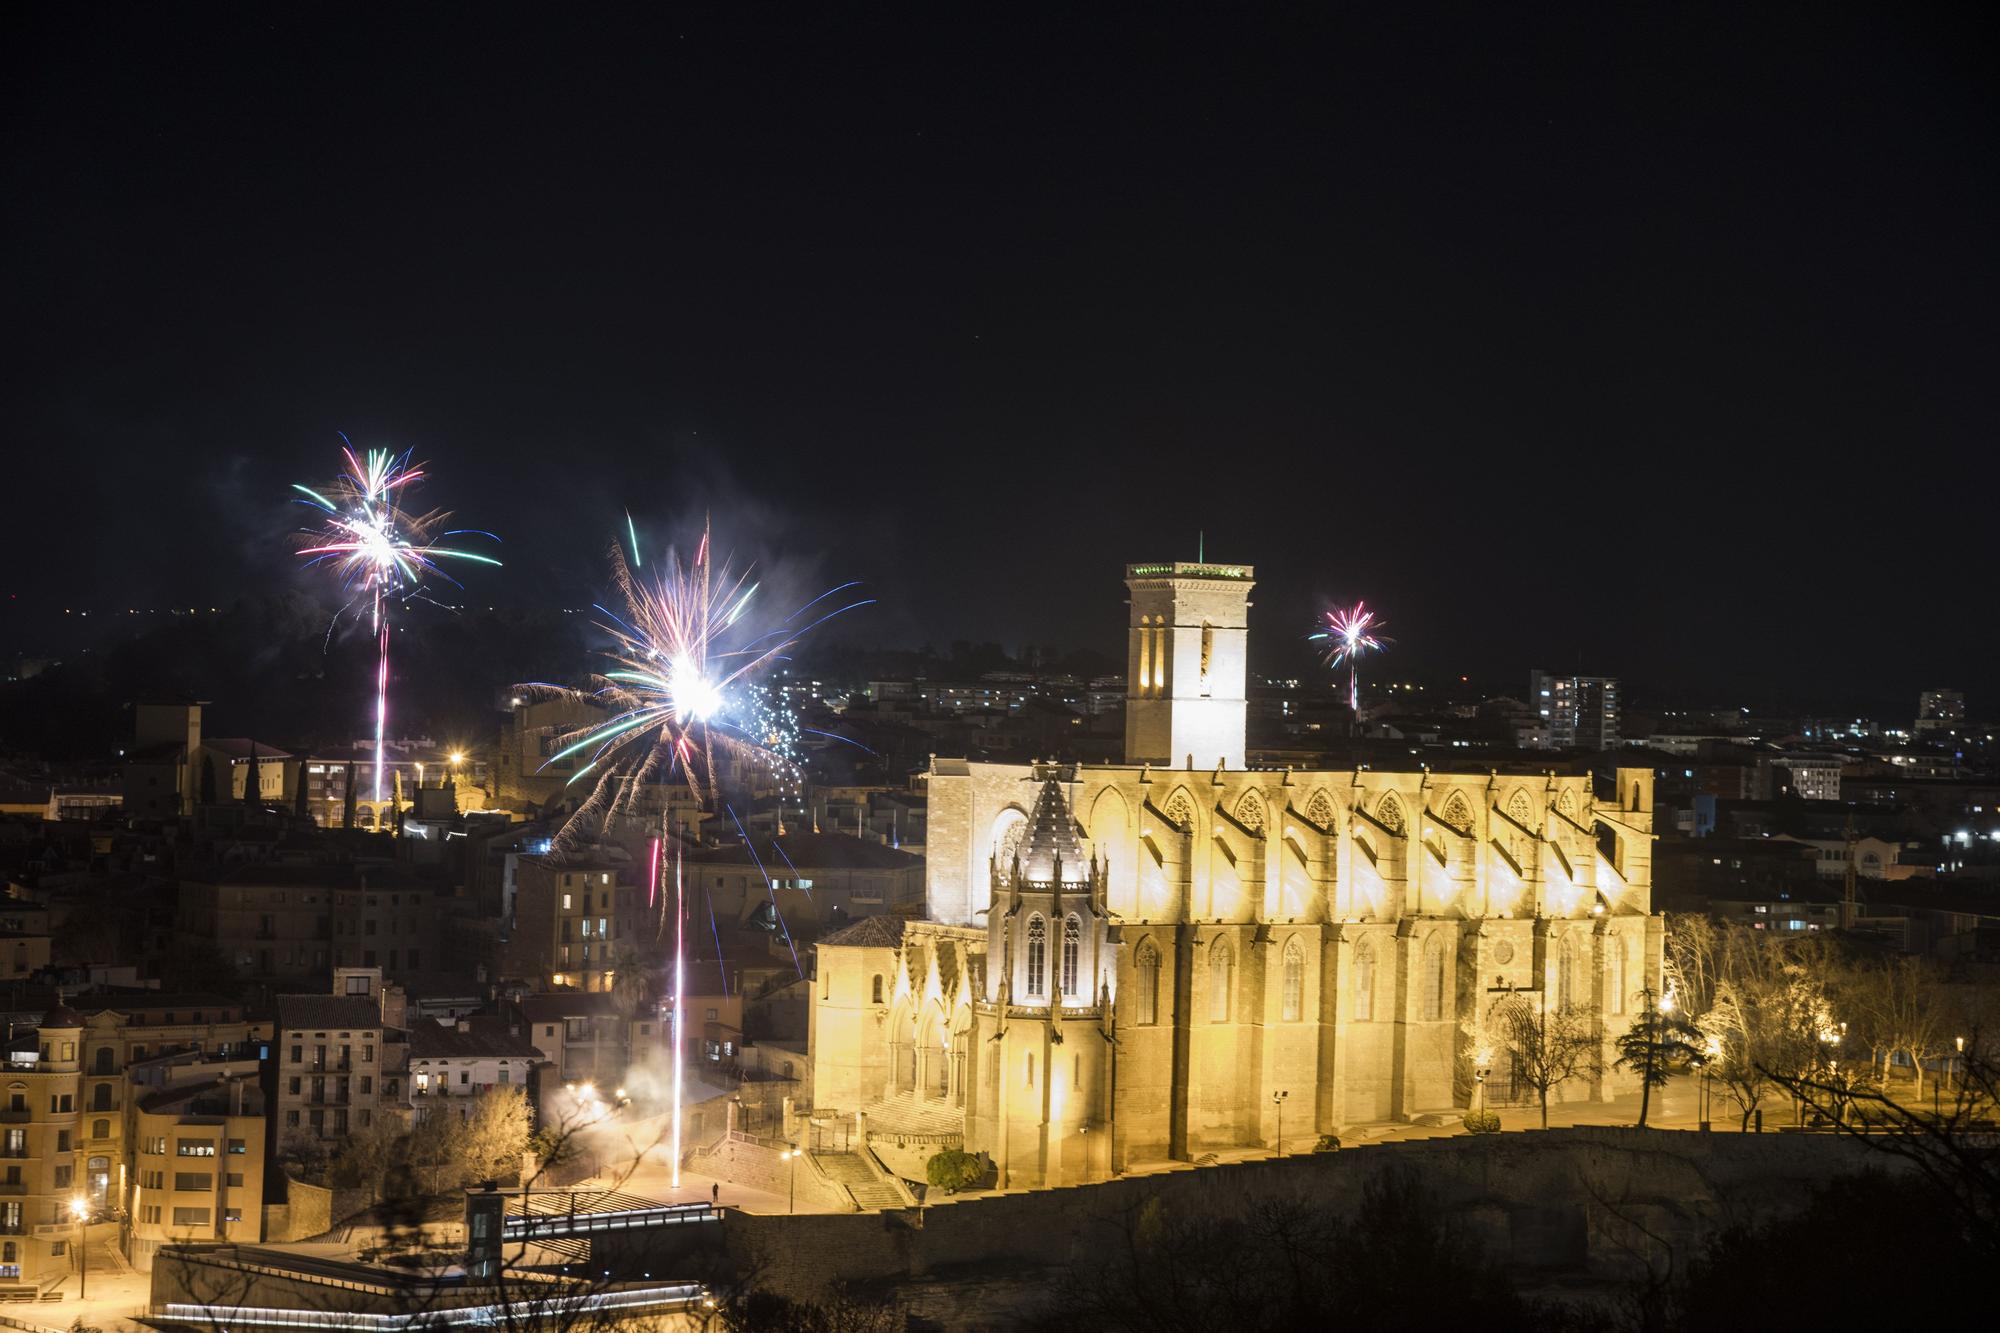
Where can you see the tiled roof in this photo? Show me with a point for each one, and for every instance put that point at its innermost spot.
(327, 1011)
(1051, 840)
(431, 1041)
(871, 932)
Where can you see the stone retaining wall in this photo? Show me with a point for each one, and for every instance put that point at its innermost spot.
(1592, 1202)
(762, 1168)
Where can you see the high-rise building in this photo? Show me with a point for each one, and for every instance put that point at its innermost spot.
(1581, 712)
(1940, 711)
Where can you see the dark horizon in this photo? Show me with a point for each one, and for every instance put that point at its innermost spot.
(1644, 344)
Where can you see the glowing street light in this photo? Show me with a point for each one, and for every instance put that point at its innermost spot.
(79, 1208)
(792, 1155)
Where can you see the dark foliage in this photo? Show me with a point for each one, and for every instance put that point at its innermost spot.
(1868, 1251)
(1395, 1263)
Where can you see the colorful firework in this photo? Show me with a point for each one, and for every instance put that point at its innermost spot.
(681, 686)
(1348, 633)
(382, 550)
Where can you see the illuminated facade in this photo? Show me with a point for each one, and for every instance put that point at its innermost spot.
(1128, 963)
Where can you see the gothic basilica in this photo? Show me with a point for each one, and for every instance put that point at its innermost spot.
(1178, 954)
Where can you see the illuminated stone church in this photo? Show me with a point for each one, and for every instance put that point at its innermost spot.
(1161, 958)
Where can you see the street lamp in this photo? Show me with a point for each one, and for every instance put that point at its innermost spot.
(1482, 1061)
(79, 1208)
(791, 1155)
(1711, 1052)
(1278, 1142)
(1961, 1064)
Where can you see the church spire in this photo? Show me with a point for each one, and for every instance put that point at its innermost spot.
(1050, 852)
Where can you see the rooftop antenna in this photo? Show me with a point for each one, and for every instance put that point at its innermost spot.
(1200, 547)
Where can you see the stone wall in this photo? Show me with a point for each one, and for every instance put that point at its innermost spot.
(1588, 1203)
(759, 1168)
(308, 1211)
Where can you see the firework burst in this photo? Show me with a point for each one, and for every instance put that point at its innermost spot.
(680, 684)
(1349, 632)
(382, 550)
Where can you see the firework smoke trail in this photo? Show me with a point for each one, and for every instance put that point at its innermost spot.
(1348, 633)
(382, 550)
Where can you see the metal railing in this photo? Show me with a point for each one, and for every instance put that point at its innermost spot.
(559, 1310)
(534, 1226)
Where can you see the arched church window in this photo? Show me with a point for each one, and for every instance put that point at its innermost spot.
(1294, 1001)
(1520, 811)
(1038, 956)
(1143, 679)
(1221, 978)
(1010, 830)
(1180, 810)
(1072, 945)
(1320, 810)
(1434, 980)
(1389, 814)
(1146, 977)
(1614, 974)
(1250, 812)
(1458, 813)
(1567, 803)
(1364, 982)
(1566, 973)
(875, 991)
(1031, 1069)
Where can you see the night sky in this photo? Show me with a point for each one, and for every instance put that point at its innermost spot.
(1648, 340)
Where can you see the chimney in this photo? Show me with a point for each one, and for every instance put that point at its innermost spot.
(394, 1006)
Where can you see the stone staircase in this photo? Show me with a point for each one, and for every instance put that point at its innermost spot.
(903, 1114)
(856, 1174)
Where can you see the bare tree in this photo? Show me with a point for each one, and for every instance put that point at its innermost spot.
(1950, 1142)
(366, 1159)
(1694, 961)
(1548, 1049)
(1901, 1008)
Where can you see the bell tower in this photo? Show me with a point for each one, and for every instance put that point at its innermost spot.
(1186, 663)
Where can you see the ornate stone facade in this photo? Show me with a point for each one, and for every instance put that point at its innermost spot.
(1126, 962)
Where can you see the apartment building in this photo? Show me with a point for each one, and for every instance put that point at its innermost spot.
(391, 920)
(197, 1165)
(568, 917)
(273, 922)
(340, 1060)
(39, 1150)
(589, 1037)
(450, 1064)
